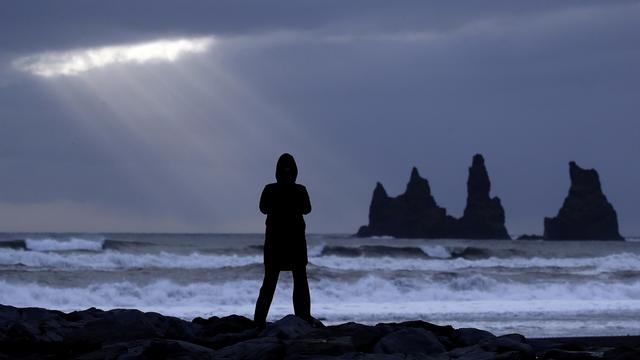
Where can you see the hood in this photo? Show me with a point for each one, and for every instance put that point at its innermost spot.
(286, 169)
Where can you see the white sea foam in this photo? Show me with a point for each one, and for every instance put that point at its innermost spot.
(486, 292)
(63, 245)
(436, 251)
(315, 250)
(614, 262)
(113, 260)
(369, 299)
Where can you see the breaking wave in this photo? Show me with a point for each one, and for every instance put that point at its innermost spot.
(75, 244)
(71, 244)
(425, 251)
(90, 258)
(614, 262)
(528, 285)
(115, 260)
(476, 292)
(63, 245)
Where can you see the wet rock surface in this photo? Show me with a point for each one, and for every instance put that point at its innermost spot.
(34, 333)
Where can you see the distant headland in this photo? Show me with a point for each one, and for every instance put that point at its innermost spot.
(585, 214)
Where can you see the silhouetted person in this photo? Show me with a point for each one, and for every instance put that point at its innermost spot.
(285, 246)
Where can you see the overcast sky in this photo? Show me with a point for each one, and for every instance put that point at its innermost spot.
(357, 91)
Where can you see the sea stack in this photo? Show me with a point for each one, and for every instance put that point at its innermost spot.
(483, 216)
(585, 214)
(413, 214)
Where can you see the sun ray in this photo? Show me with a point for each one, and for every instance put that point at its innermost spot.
(77, 61)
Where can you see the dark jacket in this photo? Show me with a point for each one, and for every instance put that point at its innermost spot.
(285, 202)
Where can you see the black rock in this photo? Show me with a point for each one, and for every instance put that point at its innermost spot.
(289, 327)
(150, 349)
(556, 354)
(438, 330)
(530, 237)
(409, 341)
(585, 214)
(367, 356)
(14, 244)
(34, 333)
(478, 344)
(228, 324)
(320, 346)
(470, 252)
(413, 214)
(464, 337)
(514, 344)
(263, 348)
(472, 353)
(221, 340)
(483, 216)
(132, 324)
(363, 337)
(623, 353)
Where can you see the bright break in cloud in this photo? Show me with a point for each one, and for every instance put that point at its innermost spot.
(77, 61)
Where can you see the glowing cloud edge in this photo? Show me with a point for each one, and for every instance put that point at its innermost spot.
(77, 61)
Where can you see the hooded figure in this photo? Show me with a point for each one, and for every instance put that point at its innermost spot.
(285, 246)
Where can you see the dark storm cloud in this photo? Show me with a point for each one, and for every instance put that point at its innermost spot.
(29, 26)
(359, 91)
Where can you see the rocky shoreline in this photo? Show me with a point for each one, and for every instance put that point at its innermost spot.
(35, 333)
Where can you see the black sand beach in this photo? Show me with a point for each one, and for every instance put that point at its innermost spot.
(36, 333)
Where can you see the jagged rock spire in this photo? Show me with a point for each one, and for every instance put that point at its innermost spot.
(379, 191)
(583, 181)
(415, 213)
(418, 188)
(478, 183)
(586, 213)
(483, 216)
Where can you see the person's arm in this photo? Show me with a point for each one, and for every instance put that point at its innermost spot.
(265, 201)
(305, 203)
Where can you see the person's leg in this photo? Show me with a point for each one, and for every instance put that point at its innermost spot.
(301, 297)
(266, 295)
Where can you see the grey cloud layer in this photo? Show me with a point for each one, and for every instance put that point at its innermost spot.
(51, 25)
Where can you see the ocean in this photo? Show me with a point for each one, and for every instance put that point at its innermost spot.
(536, 288)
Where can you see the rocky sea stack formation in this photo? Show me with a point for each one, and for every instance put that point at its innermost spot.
(415, 214)
(35, 333)
(585, 214)
(483, 216)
